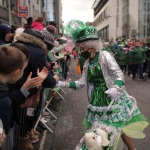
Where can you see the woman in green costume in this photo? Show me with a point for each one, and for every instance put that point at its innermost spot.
(105, 82)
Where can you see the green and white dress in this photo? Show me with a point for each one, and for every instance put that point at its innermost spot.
(100, 101)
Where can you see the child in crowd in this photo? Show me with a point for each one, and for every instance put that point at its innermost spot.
(12, 65)
(38, 23)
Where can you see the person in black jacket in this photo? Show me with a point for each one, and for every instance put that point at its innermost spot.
(12, 65)
(33, 40)
(5, 34)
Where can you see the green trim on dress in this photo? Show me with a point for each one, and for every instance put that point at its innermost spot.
(121, 107)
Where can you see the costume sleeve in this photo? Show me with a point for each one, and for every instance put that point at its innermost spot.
(75, 84)
(114, 68)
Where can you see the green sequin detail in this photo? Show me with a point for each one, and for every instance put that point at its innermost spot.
(95, 76)
(115, 117)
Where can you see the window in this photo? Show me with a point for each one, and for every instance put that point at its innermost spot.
(117, 3)
(33, 11)
(5, 3)
(24, 2)
(125, 3)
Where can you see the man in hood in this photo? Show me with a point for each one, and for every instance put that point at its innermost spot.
(5, 34)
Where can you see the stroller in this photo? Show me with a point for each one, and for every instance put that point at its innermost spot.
(133, 130)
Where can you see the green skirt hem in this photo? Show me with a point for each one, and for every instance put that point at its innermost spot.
(136, 118)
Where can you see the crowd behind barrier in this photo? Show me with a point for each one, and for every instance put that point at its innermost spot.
(44, 62)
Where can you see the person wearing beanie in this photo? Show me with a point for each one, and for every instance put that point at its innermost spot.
(5, 34)
(51, 29)
(48, 39)
(38, 24)
(34, 41)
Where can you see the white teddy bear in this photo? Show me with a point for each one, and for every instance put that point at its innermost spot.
(96, 140)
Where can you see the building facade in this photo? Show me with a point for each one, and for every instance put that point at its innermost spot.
(122, 18)
(7, 13)
(34, 9)
(53, 13)
(144, 18)
(9, 10)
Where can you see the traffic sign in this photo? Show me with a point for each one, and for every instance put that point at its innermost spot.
(22, 11)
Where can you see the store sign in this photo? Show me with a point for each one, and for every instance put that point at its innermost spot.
(22, 11)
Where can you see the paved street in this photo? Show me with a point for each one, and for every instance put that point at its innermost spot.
(69, 128)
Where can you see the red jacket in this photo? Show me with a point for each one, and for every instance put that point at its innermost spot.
(37, 25)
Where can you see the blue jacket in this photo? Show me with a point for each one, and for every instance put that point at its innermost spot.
(6, 111)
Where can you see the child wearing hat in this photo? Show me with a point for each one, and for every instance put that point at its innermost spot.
(113, 49)
(12, 65)
(38, 23)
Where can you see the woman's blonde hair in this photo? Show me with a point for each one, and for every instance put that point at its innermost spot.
(39, 19)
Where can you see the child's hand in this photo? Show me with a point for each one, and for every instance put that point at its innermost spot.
(43, 74)
(32, 82)
(55, 66)
(56, 77)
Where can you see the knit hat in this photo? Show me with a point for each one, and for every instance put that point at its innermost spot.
(4, 29)
(51, 29)
(121, 44)
(34, 32)
(48, 39)
(51, 58)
